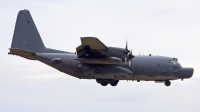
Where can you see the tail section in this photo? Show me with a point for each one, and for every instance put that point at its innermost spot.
(26, 36)
(26, 39)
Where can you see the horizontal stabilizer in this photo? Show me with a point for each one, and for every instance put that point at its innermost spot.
(23, 53)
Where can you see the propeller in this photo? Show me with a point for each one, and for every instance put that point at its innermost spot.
(126, 51)
(130, 57)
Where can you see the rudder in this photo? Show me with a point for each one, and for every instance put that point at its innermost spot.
(26, 36)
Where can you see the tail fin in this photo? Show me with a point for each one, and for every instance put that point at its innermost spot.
(26, 36)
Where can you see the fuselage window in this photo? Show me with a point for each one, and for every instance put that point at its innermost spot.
(174, 61)
(79, 66)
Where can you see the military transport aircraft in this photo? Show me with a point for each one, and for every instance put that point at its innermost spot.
(93, 59)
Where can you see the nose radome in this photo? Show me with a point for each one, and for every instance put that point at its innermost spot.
(186, 72)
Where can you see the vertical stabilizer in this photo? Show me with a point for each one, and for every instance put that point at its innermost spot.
(26, 36)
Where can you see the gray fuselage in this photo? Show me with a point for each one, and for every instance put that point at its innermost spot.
(149, 68)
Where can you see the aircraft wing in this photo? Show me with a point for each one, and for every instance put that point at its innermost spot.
(93, 42)
(90, 46)
(93, 51)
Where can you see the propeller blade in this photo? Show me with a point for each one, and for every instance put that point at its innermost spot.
(130, 58)
(125, 60)
(126, 51)
(131, 51)
(130, 62)
(126, 45)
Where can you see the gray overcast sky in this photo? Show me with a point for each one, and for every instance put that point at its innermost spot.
(160, 27)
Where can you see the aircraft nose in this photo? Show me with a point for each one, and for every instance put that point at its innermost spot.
(186, 72)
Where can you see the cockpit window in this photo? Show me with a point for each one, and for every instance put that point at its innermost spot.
(173, 61)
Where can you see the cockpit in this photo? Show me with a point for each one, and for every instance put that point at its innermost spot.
(174, 61)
